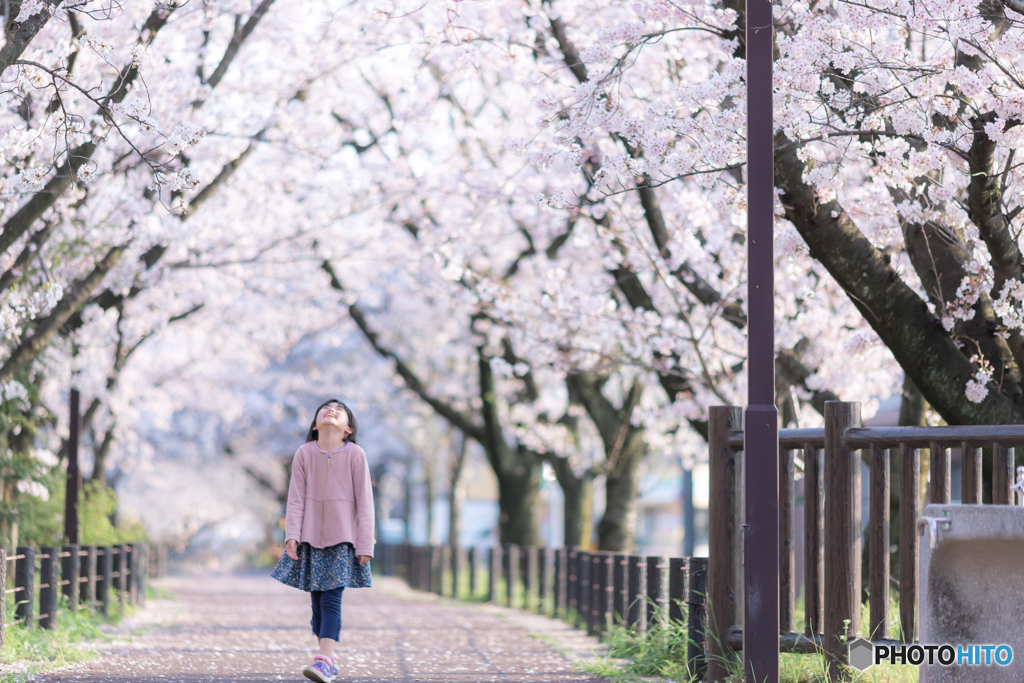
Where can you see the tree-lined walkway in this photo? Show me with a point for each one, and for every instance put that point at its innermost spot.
(251, 628)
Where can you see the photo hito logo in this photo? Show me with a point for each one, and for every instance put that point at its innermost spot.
(863, 654)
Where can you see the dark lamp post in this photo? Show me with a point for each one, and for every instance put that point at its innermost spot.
(760, 420)
(74, 478)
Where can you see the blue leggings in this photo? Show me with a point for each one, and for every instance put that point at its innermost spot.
(326, 621)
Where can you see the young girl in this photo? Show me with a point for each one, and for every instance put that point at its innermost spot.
(328, 526)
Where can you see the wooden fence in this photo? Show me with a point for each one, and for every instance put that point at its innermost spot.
(831, 462)
(590, 590)
(85, 575)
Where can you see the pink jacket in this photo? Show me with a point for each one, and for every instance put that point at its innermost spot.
(330, 499)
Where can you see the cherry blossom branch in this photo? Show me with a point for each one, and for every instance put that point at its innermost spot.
(74, 297)
(34, 208)
(20, 38)
(463, 422)
(234, 45)
(57, 75)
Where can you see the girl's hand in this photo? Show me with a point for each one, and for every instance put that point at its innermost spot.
(363, 559)
(291, 547)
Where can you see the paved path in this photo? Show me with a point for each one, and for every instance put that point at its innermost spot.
(251, 628)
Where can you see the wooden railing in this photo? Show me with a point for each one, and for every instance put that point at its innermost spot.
(590, 590)
(831, 461)
(84, 575)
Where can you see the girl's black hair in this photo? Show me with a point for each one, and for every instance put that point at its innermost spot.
(312, 434)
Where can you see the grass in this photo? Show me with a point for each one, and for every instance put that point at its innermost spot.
(42, 650)
(661, 653)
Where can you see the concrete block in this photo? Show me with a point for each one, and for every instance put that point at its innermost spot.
(971, 578)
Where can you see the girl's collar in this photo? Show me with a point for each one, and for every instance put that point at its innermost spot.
(317, 446)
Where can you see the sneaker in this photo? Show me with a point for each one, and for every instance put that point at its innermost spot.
(334, 665)
(321, 670)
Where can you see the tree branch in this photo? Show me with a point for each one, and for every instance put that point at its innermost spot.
(896, 313)
(984, 202)
(19, 35)
(29, 212)
(237, 39)
(412, 381)
(75, 296)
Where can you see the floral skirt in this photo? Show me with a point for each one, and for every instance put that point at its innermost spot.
(321, 569)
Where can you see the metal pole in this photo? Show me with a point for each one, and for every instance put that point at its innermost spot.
(761, 435)
(74, 478)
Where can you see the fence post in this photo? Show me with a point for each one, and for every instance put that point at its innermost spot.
(3, 603)
(412, 576)
(725, 517)
(133, 559)
(436, 570)
(656, 570)
(404, 568)
(814, 540)
(530, 584)
(544, 560)
(620, 582)
(572, 579)
(425, 568)
(558, 586)
(583, 590)
(940, 489)
(471, 560)
(89, 569)
(607, 612)
(787, 548)
(910, 496)
(696, 627)
(636, 594)
(25, 586)
(103, 578)
(598, 579)
(970, 478)
(122, 577)
(444, 554)
(878, 548)
(512, 574)
(1002, 476)
(144, 573)
(456, 568)
(48, 583)
(678, 588)
(423, 565)
(843, 531)
(69, 574)
(493, 572)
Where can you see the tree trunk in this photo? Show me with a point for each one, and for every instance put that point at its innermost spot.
(99, 461)
(518, 500)
(407, 501)
(429, 493)
(615, 532)
(624, 446)
(456, 493)
(578, 502)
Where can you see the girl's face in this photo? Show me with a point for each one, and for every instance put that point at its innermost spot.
(333, 414)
